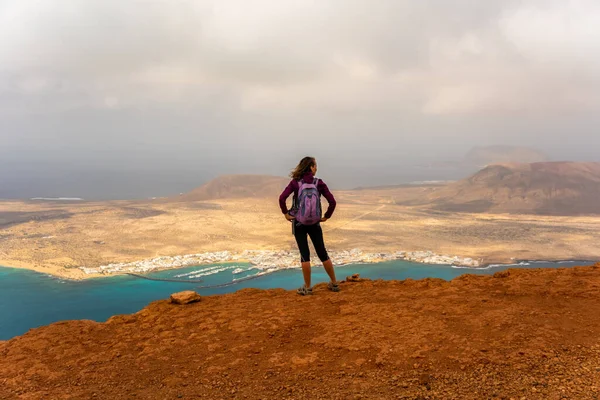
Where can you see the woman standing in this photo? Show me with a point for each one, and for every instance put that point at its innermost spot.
(306, 217)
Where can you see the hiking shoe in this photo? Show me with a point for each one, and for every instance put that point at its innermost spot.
(334, 287)
(303, 291)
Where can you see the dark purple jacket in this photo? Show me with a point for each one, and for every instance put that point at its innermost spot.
(294, 186)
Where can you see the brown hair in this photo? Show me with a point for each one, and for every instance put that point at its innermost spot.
(303, 167)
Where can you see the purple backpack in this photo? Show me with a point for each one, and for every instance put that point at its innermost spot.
(309, 203)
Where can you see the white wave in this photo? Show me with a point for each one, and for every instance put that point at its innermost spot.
(346, 264)
(207, 273)
(198, 271)
(519, 264)
(477, 268)
(238, 271)
(261, 273)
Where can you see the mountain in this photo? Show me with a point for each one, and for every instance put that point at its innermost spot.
(550, 188)
(236, 186)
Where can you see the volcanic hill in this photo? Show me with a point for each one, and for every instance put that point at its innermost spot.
(547, 188)
(237, 186)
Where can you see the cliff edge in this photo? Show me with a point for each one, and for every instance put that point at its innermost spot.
(531, 334)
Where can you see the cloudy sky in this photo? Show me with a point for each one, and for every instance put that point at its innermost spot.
(120, 98)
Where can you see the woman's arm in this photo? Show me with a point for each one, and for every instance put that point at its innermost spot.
(324, 190)
(284, 196)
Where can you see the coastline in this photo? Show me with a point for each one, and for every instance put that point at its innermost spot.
(267, 261)
(74, 274)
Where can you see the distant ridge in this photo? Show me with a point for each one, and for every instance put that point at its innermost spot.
(404, 185)
(485, 155)
(236, 186)
(550, 188)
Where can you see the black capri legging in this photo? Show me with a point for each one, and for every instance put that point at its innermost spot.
(316, 236)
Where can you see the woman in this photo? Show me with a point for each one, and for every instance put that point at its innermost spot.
(306, 217)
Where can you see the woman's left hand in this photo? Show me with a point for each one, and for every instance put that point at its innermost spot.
(324, 219)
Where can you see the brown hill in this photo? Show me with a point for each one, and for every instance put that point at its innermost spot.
(518, 334)
(551, 188)
(236, 186)
(484, 155)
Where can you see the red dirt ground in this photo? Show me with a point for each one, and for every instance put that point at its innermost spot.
(521, 334)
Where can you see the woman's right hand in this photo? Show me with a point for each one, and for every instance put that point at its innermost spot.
(289, 217)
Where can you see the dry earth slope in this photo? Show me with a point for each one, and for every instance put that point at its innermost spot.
(236, 186)
(546, 188)
(531, 334)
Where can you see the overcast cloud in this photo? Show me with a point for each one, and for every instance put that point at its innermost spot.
(135, 98)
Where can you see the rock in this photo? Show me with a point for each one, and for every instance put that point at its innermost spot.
(185, 297)
(354, 278)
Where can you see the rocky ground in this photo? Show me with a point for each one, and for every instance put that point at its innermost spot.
(520, 334)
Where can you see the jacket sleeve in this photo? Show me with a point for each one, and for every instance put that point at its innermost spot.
(284, 196)
(324, 190)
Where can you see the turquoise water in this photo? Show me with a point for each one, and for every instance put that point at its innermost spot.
(29, 299)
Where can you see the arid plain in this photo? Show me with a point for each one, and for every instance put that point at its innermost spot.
(59, 237)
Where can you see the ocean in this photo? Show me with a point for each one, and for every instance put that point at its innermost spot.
(30, 299)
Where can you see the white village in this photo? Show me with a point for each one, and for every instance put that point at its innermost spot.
(268, 260)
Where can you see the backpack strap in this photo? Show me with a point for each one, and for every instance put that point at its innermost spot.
(301, 182)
